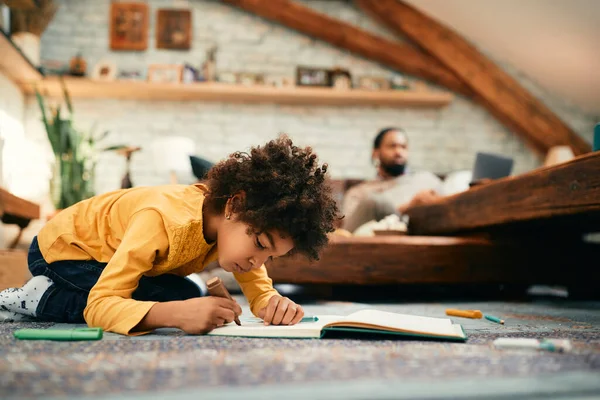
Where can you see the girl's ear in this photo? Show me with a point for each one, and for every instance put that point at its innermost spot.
(237, 202)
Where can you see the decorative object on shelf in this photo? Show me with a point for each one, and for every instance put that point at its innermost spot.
(77, 66)
(228, 77)
(279, 81)
(27, 26)
(209, 67)
(250, 79)
(373, 83)
(190, 74)
(54, 67)
(75, 154)
(130, 75)
(341, 79)
(399, 82)
(558, 155)
(105, 71)
(308, 76)
(159, 73)
(174, 29)
(128, 26)
(420, 86)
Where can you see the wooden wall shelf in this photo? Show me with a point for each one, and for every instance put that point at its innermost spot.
(141, 90)
(14, 64)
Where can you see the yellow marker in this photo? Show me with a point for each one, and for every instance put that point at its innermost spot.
(464, 313)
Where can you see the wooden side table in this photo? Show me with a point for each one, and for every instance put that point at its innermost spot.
(15, 210)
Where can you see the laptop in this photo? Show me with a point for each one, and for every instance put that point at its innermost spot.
(491, 166)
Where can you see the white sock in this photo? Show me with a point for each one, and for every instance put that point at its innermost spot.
(9, 316)
(25, 300)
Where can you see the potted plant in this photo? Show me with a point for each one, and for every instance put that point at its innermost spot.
(74, 152)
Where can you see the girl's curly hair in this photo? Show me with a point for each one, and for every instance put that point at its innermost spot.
(285, 190)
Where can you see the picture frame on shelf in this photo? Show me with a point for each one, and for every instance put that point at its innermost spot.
(373, 83)
(130, 75)
(310, 76)
(228, 77)
(165, 73)
(250, 79)
(128, 26)
(105, 71)
(279, 81)
(341, 79)
(174, 29)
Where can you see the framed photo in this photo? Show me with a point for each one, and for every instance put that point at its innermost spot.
(159, 73)
(128, 26)
(174, 29)
(307, 76)
(373, 83)
(341, 79)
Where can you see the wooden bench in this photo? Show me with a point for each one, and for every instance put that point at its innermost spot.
(440, 260)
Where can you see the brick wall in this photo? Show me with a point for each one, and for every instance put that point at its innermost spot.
(441, 140)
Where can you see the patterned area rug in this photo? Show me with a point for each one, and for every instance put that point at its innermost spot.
(169, 361)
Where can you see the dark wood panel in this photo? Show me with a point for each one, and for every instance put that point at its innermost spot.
(400, 56)
(510, 102)
(565, 196)
(443, 260)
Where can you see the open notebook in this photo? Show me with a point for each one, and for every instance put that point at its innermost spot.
(364, 321)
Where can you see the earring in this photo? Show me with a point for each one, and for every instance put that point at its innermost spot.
(228, 216)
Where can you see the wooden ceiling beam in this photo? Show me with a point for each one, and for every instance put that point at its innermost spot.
(495, 89)
(399, 56)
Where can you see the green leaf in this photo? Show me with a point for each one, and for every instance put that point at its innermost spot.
(67, 97)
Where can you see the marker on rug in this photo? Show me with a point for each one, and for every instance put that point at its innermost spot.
(475, 314)
(59, 334)
(554, 345)
(494, 319)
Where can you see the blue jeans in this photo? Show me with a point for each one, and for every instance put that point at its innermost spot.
(65, 300)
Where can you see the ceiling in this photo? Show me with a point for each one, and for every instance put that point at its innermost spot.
(555, 42)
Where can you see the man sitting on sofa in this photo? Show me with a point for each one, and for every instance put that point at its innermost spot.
(395, 189)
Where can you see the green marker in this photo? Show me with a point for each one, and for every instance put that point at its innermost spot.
(494, 319)
(309, 319)
(59, 334)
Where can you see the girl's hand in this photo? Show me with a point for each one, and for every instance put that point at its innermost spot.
(281, 311)
(203, 314)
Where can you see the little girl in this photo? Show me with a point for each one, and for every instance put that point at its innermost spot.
(119, 260)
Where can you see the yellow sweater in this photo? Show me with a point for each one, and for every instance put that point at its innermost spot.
(141, 231)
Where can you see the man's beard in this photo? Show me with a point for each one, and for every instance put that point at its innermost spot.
(394, 169)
